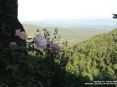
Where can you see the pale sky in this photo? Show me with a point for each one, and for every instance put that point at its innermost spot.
(35, 10)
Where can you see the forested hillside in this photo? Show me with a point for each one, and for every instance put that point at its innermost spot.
(60, 65)
(95, 58)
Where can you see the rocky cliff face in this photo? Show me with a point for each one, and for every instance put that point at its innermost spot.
(9, 23)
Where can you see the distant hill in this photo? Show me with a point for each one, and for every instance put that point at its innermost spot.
(94, 24)
(68, 33)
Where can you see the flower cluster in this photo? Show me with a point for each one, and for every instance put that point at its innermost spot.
(12, 44)
(40, 42)
(54, 47)
(21, 34)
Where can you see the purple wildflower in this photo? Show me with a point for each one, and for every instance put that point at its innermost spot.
(40, 42)
(54, 47)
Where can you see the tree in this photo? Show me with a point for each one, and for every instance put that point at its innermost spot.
(9, 23)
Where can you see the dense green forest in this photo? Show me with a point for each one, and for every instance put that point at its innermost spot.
(65, 66)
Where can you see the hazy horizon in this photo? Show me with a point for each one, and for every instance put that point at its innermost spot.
(76, 22)
(103, 25)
